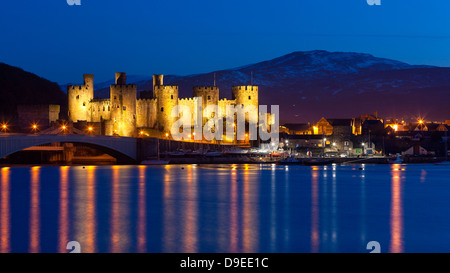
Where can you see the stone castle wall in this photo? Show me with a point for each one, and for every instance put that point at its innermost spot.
(123, 113)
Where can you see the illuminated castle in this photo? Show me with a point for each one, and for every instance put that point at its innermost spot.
(125, 115)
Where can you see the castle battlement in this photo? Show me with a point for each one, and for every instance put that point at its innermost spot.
(188, 100)
(245, 88)
(166, 87)
(227, 100)
(145, 100)
(101, 100)
(124, 85)
(206, 88)
(73, 87)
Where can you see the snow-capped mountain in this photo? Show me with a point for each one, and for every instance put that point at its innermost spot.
(312, 84)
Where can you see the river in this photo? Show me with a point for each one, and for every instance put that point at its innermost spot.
(225, 208)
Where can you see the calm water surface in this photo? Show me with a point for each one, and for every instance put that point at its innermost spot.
(225, 208)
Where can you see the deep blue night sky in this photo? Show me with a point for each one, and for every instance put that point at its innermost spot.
(142, 37)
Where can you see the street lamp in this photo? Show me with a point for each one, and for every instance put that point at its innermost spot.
(34, 127)
(4, 127)
(167, 137)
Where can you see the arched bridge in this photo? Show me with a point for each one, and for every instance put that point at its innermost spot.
(124, 146)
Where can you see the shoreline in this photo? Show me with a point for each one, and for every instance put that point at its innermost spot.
(221, 160)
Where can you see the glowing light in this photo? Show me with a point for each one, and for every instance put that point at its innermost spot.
(420, 121)
(167, 134)
(90, 128)
(395, 127)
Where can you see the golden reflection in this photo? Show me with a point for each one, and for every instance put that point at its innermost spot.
(191, 215)
(90, 211)
(114, 226)
(63, 209)
(250, 230)
(169, 227)
(315, 210)
(141, 226)
(273, 220)
(5, 224)
(396, 244)
(35, 211)
(234, 213)
(334, 210)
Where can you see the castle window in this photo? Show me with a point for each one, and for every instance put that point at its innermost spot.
(171, 97)
(78, 97)
(115, 97)
(109, 108)
(124, 108)
(209, 97)
(162, 109)
(103, 108)
(84, 104)
(249, 97)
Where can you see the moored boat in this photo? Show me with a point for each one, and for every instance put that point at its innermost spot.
(317, 162)
(289, 161)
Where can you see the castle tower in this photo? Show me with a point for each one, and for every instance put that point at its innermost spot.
(246, 96)
(167, 98)
(79, 97)
(158, 80)
(210, 96)
(123, 106)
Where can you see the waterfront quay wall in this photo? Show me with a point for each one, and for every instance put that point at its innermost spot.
(148, 147)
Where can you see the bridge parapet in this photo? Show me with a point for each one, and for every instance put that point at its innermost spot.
(12, 143)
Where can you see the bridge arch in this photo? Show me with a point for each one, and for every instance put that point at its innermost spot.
(119, 147)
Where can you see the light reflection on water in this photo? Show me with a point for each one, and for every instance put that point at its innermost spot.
(35, 212)
(5, 214)
(225, 208)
